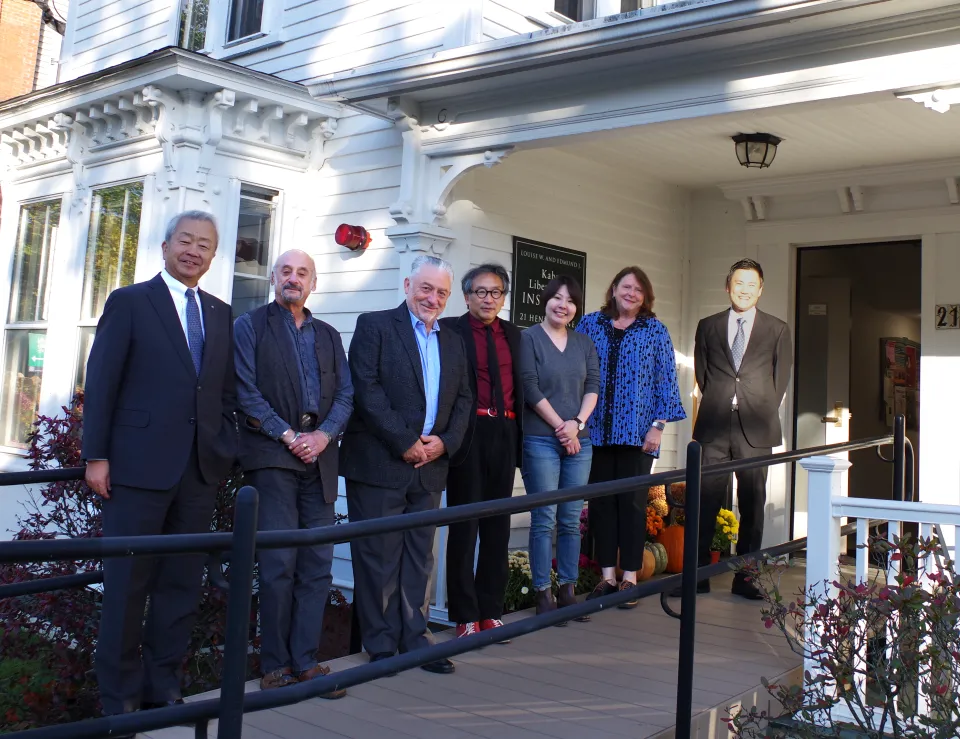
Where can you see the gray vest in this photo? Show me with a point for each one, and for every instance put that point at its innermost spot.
(279, 383)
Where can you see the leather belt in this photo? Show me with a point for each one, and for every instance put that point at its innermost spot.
(308, 422)
(492, 413)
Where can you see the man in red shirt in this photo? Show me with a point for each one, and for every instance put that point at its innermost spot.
(484, 469)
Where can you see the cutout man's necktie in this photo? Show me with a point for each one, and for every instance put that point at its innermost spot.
(739, 344)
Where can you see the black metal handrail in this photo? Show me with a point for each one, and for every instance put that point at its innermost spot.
(244, 540)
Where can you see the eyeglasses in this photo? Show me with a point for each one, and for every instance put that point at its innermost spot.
(482, 293)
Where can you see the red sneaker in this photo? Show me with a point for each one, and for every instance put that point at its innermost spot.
(468, 629)
(492, 623)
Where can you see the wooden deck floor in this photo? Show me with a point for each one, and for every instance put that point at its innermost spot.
(611, 678)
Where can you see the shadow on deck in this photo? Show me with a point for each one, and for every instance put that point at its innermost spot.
(611, 678)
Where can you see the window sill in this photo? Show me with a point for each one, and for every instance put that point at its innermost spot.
(247, 45)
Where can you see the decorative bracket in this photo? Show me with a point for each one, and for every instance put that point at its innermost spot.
(754, 207)
(851, 198)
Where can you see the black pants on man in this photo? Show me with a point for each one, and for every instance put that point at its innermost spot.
(172, 582)
(751, 491)
(487, 473)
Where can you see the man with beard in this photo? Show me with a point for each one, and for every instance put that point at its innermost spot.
(295, 396)
(413, 407)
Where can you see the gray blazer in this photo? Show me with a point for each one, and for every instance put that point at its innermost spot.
(390, 405)
(759, 385)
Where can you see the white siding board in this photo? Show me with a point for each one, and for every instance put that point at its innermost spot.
(502, 19)
(48, 54)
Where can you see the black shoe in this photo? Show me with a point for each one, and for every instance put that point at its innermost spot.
(439, 666)
(149, 705)
(703, 587)
(376, 657)
(627, 585)
(745, 589)
(603, 588)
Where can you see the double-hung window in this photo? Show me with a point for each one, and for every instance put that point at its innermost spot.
(256, 225)
(25, 332)
(111, 258)
(229, 28)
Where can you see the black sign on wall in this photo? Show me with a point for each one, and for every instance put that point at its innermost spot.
(534, 265)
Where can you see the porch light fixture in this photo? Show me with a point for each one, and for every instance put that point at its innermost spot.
(756, 149)
(355, 238)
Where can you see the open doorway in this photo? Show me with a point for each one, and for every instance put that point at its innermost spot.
(857, 357)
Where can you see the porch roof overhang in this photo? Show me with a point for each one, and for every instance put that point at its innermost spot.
(671, 62)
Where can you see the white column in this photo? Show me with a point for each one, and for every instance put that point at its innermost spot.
(825, 481)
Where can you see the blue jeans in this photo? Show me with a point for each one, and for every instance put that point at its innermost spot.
(546, 467)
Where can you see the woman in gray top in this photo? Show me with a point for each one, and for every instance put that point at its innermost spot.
(561, 381)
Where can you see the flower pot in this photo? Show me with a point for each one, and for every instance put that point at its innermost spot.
(672, 540)
(714, 556)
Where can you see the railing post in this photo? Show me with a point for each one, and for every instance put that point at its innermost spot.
(238, 614)
(824, 481)
(899, 457)
(688, 600)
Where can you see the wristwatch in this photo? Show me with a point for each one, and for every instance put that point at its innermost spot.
(580, 424)
(659, 425)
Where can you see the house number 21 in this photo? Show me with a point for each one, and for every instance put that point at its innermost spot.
(948, 316)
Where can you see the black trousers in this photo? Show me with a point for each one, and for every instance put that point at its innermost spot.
(487, 473)
(619, 522)
(751, 490)
(173, 584)
(391, 572)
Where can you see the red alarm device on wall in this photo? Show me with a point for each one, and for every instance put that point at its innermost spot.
(355, 238)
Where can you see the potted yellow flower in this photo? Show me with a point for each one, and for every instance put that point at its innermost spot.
(725, 534)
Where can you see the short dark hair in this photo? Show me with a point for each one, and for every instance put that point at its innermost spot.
(488, 268)
(609, 306)
(745, 264)
(573, 287)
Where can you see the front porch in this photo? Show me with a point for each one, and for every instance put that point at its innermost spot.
(612, 678)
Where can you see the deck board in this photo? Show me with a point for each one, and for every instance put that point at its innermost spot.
(611, 678)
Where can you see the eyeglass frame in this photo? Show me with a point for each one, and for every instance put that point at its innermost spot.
(489, 292)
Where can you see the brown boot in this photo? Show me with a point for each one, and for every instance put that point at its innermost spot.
(546, 603)
(567, 598)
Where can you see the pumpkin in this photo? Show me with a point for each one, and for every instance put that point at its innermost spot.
(649, 565)
(661, 554)
(672, 539)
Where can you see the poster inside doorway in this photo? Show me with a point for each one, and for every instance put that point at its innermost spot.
(900, 375)
(534, 265)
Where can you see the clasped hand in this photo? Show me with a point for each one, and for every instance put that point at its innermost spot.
(424, 450)
(566, 434)
(307, 447)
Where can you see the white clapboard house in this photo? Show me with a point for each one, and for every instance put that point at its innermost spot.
(603, 129)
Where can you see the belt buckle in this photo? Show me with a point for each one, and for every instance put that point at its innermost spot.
(492, 412)
(307, 422)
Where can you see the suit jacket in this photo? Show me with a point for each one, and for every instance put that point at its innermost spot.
(390, 404)
(759, 385)
(461, 325)
(143, 403)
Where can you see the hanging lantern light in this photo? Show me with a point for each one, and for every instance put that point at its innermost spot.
(756, 149)
(355, 238)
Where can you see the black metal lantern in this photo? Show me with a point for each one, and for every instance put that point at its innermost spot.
(756, 149)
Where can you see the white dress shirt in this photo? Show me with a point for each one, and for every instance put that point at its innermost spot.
(178, 291)
(748, 319)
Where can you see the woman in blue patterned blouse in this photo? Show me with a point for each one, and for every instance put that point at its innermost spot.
(638, 397)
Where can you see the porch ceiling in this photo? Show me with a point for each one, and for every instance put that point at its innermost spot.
(877, 130)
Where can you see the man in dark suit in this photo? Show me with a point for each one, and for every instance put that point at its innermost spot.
(295, 396)
(159, 434)
(742, 360)
(484, 469)
(412, 408)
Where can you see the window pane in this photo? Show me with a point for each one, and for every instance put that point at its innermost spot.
(572, 9)
(245, 18)
(111, 244)
(193, 24)
(86, 343)
(248, 293)
(33, 262)
(22, 373)
(627, 6)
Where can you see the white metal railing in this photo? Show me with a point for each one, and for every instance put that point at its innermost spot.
(828, 510)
